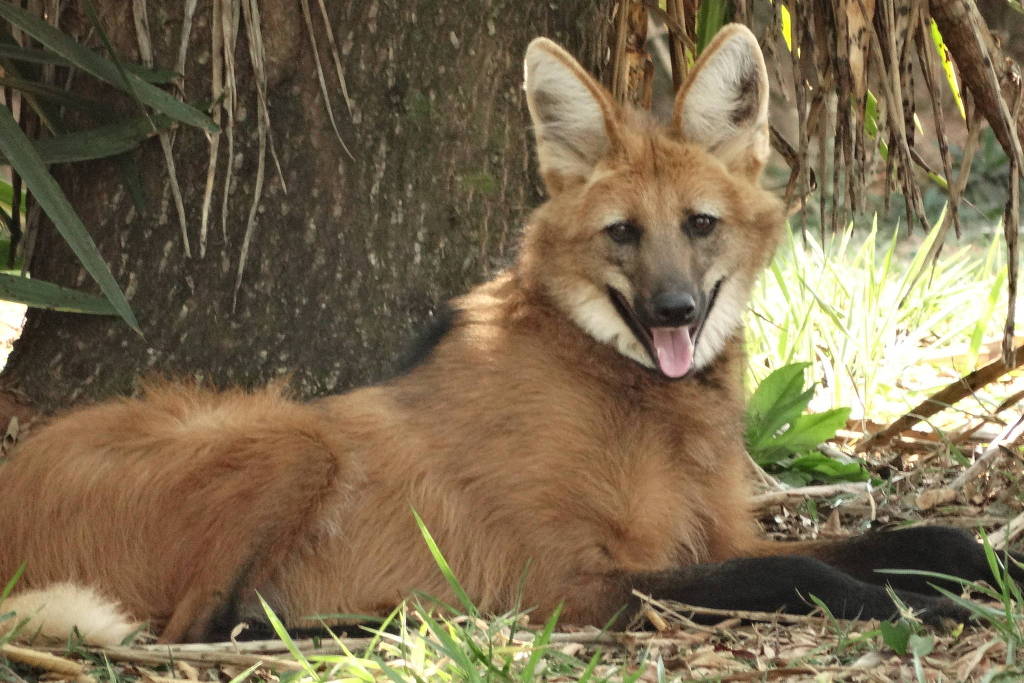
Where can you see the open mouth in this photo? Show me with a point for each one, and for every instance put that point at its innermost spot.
(671, 349)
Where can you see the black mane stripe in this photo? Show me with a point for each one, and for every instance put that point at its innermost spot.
(423, 344)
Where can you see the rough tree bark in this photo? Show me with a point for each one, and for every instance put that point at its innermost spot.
(347, 264)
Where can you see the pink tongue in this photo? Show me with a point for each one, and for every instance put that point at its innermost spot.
(674, 348)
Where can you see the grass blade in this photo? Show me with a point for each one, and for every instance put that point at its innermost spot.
(540, 645)
(103, 69)
(285, 637)
(18, 149)
(9, 586)
(240, 677)
(443, 565)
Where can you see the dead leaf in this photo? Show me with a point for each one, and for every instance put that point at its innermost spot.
(926, 500)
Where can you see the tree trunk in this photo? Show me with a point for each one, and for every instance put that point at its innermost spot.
(348, 262)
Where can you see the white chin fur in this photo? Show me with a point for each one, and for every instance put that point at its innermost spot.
(721, 324)
(592, 309)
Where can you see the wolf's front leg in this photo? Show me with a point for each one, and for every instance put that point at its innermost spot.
(786, 583)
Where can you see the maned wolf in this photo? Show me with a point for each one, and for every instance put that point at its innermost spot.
(579, 422)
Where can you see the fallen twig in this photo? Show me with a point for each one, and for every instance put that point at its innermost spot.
(961, 388)
(1002, 536)
(765, 500)
(170, 653)
(46, 661)
(781, 617)
(996, 449)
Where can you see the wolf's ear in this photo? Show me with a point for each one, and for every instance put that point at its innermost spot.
(575, 120)
(723, 106)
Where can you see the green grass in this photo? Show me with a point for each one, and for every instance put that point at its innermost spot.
(881, 327)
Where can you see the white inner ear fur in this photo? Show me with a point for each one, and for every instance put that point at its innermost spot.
(724, 105)
(568, 114)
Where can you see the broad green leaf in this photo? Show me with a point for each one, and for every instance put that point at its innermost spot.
(807, 431)
(97, 143)
(793, 478)
(24, 54)
(784, 381)
(18, 149)
(42, 294)
(769, 454)
(763, 427)
(779, 399)
(823, 468)
(896, 635)
(103, 68)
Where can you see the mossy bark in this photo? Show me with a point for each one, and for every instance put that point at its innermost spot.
(350, 254)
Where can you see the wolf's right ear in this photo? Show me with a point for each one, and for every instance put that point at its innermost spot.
(575, 120)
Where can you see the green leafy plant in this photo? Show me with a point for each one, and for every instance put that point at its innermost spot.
(113, 136)
(782, 438)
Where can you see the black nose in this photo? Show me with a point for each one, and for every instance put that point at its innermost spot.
(673, 309)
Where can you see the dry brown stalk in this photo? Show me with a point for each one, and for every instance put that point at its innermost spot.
(952, 393)
(771, 498)
(1002, 536)
(43, 660)
(1010, 436)
(780, 617)
(169, 654)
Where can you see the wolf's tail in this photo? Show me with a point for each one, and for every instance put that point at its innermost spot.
(54, 612)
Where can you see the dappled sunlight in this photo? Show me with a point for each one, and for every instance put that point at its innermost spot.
(12, 322)
(884, 328)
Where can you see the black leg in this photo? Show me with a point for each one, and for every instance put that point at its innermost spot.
(929, 548)
(786, 583)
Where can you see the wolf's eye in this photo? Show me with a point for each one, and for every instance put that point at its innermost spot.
(624, 232)
(701, 224)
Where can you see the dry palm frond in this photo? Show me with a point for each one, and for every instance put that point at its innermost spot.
(142, 35)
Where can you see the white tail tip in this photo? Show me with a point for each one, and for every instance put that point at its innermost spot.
(55, 611)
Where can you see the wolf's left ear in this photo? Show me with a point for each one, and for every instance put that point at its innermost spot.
(723, 106)
(575, 120)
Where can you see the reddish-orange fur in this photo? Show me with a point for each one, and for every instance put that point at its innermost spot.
(526, 445)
